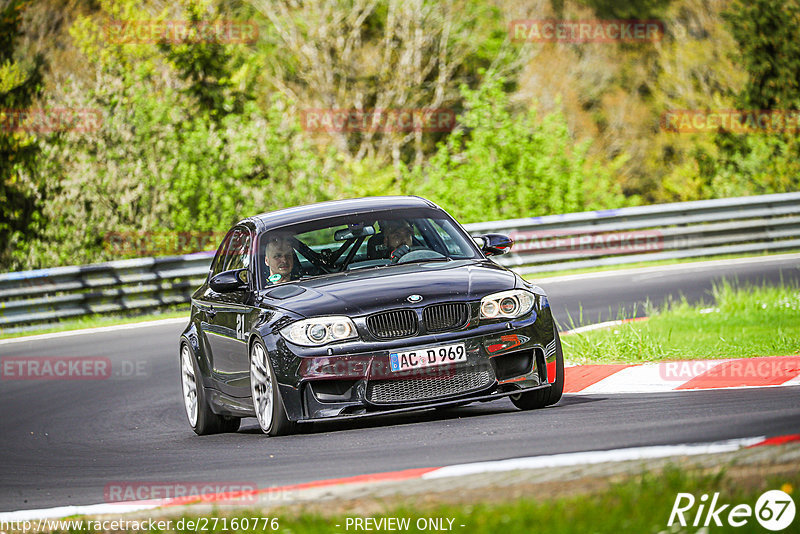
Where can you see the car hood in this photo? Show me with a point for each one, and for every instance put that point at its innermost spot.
(362, 292)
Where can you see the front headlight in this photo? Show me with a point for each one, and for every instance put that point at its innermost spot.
(507, 304)
(320, 331)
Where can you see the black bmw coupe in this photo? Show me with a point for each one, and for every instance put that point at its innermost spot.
(352, 308)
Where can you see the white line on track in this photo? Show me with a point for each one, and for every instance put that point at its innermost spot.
(535, 462)
(793, 382)
(600, 326)
(592, 457)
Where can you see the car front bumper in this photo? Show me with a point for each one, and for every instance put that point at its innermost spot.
(503, 359)
(442, 403)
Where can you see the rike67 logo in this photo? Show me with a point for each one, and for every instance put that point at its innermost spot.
(774, 510)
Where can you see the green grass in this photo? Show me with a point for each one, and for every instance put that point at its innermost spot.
(740, 322)
(640, 264)
(93, 321)
(639, 504)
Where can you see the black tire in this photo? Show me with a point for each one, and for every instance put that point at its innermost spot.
(206, 422)
(545, 397)
(278, 423)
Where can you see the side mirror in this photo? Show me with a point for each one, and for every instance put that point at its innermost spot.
(228, 281)
(496, 244)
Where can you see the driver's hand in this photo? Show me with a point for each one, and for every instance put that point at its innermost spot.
(399, 252)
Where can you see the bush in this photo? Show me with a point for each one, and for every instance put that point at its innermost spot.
(161, 160)
(501, 166)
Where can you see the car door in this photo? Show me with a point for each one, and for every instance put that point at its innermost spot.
(207, 302)
(227, 317)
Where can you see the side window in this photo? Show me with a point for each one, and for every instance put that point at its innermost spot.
(237, 255)
(217, 266)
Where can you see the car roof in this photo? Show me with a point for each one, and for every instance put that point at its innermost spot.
(335, 208)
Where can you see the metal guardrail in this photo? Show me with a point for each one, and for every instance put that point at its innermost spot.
(553, 242)
(49, 295)
(648, 233)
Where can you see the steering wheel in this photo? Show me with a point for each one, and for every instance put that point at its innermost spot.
(420, 254)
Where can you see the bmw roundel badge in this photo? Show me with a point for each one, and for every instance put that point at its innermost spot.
(414, 298)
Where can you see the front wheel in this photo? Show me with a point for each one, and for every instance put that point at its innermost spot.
(267, 400)
(549, 396)
(202, 420)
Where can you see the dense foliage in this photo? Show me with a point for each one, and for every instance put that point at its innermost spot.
(532, 162)
(20, 85)
(767, 35)
(195, 135)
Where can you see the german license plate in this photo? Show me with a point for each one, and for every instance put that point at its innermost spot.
(427, 357)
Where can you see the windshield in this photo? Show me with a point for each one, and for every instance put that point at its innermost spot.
(361, 241)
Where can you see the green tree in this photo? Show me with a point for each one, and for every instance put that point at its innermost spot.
(768, 35)
(218, 77)
(20, 86)
(174, 153)
(502, 166)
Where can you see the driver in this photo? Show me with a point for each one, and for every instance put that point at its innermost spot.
(279, 258)
(396, 233)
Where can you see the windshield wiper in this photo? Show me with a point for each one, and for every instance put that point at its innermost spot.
(425, 260)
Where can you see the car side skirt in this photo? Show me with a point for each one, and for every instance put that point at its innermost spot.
(222, 404)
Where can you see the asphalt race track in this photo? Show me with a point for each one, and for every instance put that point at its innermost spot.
(63, 441)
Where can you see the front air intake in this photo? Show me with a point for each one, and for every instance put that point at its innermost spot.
(393, 324)
(444, 317)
